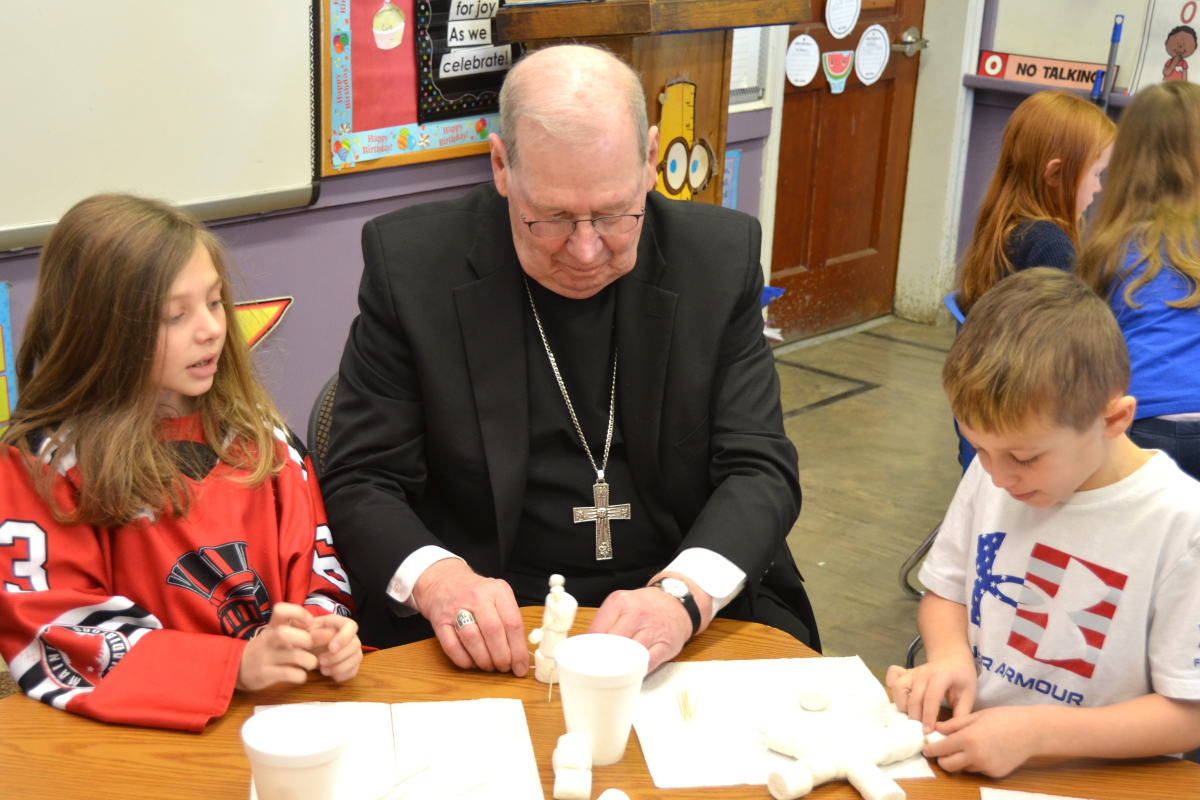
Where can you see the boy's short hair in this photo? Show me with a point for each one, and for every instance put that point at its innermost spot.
(1039, 342)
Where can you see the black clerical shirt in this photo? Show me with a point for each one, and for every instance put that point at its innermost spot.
(560, 477)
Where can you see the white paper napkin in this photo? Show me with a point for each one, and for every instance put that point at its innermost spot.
(988, 793)
(464, 749)
(735, 701)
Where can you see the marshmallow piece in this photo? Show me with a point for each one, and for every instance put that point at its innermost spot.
(934, 736)
(823, 767)
(613, 794)
(814, 700)
(572, 752)
(779, 741)
(896, 743)
(572, 784)
(870, 782)
(893, 716)
(557, 580)
(790, 782)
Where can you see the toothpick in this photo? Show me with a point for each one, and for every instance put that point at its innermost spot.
(687, 709)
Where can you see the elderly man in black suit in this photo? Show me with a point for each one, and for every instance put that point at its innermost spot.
(563, 372)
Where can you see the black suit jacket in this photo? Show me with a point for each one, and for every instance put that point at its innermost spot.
(429, 444)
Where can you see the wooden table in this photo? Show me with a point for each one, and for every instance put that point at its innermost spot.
(46, 753)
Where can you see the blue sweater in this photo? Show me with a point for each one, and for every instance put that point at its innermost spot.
(1164, 342)
(1040, 243)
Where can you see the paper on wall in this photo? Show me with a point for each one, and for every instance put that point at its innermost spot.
(872, 54)
(1157, 54)
(841, 16)
(735, 701)
(803, 60)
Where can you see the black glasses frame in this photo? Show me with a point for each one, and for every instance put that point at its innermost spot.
(575, 224)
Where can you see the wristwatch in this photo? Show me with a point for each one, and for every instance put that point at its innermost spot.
(679, 590)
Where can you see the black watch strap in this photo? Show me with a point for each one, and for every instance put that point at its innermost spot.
(689, 605)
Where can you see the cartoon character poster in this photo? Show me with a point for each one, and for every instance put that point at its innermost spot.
(1169, 43)
(8, 371)
(373, 86)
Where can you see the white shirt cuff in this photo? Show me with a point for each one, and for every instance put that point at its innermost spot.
(719, 577)
(400, 587)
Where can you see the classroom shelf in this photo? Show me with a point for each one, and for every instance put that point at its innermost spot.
(1021, 88)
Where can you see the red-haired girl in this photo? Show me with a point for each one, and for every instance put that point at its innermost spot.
(162, 537)
(1055, 146)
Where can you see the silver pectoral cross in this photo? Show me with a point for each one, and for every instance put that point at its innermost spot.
(601, 513)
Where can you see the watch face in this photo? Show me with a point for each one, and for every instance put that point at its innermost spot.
(675, 587)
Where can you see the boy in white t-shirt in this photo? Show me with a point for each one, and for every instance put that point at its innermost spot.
(1063, 611)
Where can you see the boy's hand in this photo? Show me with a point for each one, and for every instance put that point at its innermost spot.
(919, 691)
(994, 741)
(279, 653)
(336, 645)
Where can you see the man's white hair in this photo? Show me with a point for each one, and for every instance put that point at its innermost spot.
(561, 88)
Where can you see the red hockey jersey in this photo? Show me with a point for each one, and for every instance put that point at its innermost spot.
(145, 624)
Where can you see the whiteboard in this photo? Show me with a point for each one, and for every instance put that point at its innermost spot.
(206, 104)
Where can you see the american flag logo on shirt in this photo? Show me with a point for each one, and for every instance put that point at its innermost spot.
(1064, 610)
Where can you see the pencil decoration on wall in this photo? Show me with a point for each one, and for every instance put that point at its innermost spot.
(257, 318)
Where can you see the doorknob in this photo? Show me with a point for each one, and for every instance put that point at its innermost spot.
(911, 43)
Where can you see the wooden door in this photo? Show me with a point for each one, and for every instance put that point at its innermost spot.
(843, 161)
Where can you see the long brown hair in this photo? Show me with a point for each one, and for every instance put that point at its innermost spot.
(1152, 196)
(86, 365)
(1046, 126)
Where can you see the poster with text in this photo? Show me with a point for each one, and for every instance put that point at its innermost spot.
(374, 96)
(1168, 47)
(460, 65)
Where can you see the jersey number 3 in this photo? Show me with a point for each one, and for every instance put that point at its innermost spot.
(33, 566)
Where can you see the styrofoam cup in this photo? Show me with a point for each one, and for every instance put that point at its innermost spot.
(295, 752)
(600, 676)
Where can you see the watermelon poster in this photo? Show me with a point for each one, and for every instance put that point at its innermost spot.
(1169, 44)
(838, 66)
(8, 378)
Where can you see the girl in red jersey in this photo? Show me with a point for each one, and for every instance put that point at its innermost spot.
(162, 537)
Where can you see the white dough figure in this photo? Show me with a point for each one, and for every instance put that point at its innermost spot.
(557, 620)
(818, 763)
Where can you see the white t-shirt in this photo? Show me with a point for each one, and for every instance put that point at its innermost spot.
(1091, 602)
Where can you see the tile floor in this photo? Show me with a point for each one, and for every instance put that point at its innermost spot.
(878, 468)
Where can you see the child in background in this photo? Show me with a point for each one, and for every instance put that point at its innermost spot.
(1064, 586)
(162, 536)
(1144, 256)
(1055, 146)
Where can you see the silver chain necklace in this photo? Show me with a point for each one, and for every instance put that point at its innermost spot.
(601, 512)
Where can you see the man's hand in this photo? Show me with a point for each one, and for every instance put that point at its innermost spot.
(919, 691)
(279, 653)
(336, 646)
(994, 741)
(497, 639)
(653, 618)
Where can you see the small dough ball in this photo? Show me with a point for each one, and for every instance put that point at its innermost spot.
(790, 782)
(572, 784)
(613, 794)
(814, 700)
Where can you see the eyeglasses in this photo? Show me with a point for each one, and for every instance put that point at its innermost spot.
(612, 225)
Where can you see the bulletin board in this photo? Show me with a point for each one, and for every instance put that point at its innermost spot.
(376, 59)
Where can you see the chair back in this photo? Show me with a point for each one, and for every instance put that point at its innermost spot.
(951, 301)
(320, 420)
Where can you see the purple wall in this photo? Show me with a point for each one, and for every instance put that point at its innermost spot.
(314, 255)
(747, 131)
